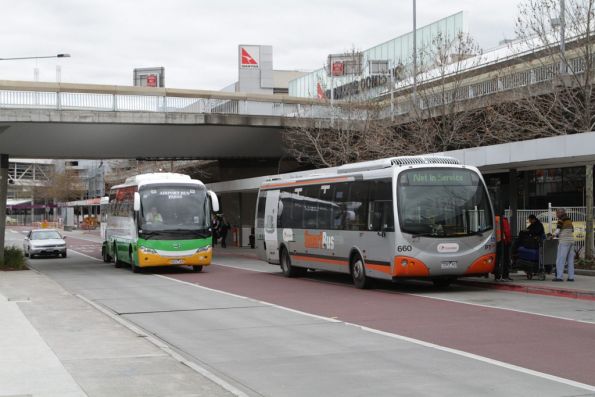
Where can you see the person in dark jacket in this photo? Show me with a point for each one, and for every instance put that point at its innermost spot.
(535, 227)
(223, 229)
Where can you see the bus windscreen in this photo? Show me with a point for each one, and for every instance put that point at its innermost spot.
(443, 202)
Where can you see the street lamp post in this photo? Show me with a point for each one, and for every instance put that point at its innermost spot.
(4, 164)
(40, 57)
(36, 71)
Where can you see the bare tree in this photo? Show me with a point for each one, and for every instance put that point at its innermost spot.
(442, 117)
(358, 134)
(556, 38)
(62, 186)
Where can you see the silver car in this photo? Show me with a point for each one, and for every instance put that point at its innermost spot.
(44, 242)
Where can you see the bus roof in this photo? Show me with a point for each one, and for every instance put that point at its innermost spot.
(157, 178)
(337, 174)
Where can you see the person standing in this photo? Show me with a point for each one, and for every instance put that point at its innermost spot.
(565, 234)
(535, 227)
(215, 228)
(223, 229)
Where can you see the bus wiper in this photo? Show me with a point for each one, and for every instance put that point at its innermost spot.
(147, 234)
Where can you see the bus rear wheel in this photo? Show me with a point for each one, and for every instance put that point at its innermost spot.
(106, 257)
(197, 268)
(358, 273)
(286, 267)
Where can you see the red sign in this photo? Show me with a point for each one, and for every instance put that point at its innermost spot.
(247, 58)
(319, 91)
(151, 80)
(338, 69)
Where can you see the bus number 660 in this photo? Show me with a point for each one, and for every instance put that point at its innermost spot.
(404, 248)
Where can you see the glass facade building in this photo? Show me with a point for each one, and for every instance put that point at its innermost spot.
(398, 52)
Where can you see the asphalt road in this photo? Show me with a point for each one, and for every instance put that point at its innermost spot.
(317, 335)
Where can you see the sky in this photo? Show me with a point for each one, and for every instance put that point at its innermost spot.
(197, 40)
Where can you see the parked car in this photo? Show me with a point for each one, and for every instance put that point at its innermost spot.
(44, 242)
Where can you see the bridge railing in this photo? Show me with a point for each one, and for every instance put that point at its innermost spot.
(64, 96)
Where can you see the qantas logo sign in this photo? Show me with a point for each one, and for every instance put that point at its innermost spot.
(249, 57)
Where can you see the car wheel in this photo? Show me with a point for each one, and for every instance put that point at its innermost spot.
(197, 269)
(358, 273)
(26, 254)
(64, 254)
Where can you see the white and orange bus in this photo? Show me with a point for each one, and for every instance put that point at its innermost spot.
(403, 217)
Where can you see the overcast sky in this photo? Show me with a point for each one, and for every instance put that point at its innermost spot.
(196, 41)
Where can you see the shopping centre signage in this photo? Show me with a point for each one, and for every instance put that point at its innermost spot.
(364, 84)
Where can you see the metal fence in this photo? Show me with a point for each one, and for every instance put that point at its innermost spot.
(167, 103)
(547, 216)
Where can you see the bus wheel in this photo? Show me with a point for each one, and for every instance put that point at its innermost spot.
(105, 255)
(197, 268)
(286, 268)
(358, 273)
(133, 266)
(117, 262)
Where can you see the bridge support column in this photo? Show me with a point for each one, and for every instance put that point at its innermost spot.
(3, 199)
(513, 197)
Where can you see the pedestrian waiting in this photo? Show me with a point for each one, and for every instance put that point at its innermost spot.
(565, 235)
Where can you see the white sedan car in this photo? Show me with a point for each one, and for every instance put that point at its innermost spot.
(44, 242)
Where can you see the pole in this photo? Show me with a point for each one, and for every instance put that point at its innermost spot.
(392, 93)
(562, 37)
(589, 204)
(332, 98)
(414, 53)
(3, 198)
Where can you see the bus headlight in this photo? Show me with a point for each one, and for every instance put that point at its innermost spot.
(203, 249)
(146, 250)
(404, 262)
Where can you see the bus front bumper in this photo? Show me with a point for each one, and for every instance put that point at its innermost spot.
(149, 259)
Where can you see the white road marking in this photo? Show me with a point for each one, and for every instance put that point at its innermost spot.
(167, 349)
(242, 268)
(85, 255)
(501, 308)
(414, 341)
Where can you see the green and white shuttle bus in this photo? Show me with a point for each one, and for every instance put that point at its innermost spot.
(159, 219)
(397, 218)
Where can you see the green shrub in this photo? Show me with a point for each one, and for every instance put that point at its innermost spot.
(13, 259)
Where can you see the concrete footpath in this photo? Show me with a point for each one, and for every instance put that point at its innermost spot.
(53, 343)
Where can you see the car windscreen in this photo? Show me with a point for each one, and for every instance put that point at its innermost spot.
(443, 202)
(45, 235)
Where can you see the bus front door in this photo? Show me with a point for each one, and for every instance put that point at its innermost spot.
(270, 226)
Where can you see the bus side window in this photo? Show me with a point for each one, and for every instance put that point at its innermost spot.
(310, 197)
(260, 209)
(285, 210)
(297, 214)
(380, 215)
(358, 203)
(339, 210)
(325, 206)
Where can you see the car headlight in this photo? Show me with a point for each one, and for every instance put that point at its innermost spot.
(146, 250)
(203, 249)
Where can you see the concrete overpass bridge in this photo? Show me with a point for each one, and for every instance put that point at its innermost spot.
(82, 121)
(58, 120)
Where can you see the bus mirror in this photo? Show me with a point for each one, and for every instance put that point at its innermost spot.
(136, 201)
(214, 201)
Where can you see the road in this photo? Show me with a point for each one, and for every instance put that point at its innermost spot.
(317, 335)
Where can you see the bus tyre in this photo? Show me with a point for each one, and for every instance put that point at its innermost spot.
(358, 272)
(286, 268)
(133, 266)
(197, 268)
(105, 255)
(117, 262)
